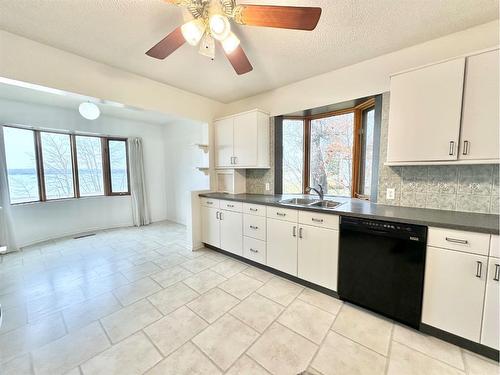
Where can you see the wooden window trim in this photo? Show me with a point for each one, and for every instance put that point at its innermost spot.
(37, 142)
(356, 151)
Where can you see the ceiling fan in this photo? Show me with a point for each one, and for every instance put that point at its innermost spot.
(211, 22)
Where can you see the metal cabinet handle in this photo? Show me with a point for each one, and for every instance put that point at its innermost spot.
(497, 272)
(254, 251)
(217, 215)
(210, 202)
(254, 209)
(220, 216)
(254, 227)
(317, 220)
(280, 214)
(300, 232)
(230, 205)
(235, 160)
(452, 148)
(456, 240)
(479, 269)
(294, 231)
(466, 148)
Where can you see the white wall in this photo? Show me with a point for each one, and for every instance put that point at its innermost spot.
(29, 61)
(369, 77)
(182, 157)
(40, 221)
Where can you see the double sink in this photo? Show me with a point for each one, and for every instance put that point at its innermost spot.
(313, 203)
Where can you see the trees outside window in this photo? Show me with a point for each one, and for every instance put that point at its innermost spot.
(43, 165)
(334, 150)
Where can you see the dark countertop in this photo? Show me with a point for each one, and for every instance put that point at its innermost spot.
(473, 222)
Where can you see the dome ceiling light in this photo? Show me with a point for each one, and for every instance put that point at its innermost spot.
(89, 111)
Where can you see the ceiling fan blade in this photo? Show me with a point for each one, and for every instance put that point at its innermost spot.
(239, 61)
(283, 17)
(167, 45)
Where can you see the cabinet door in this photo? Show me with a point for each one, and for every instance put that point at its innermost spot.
(454, 291)
(224, 142)
(282, 246)
(318, 253)
(425, 111)
(231, 232)
(246, 139)
(480, 120)
(491, 317)
(210, 227)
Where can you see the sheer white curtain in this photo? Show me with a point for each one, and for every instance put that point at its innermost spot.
(6, 225)
(140, 204)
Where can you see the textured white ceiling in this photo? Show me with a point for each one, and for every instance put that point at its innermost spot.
(118, 32)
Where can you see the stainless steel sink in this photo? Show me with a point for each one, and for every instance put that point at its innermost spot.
(298, 201)
(306, 202)
(325, 204)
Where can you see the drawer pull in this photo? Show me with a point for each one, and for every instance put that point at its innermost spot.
(210, 202)
(230, 205)
(479, 269)
(497, 272)
(317, 220)
(254, 227)
(254, 251)
(254, 209)
(456, 240)
(280, 214)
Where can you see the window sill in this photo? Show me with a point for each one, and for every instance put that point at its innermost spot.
(68, 199)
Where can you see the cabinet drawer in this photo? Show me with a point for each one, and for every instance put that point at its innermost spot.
(254, 226)
(231, 206)
(254, 209)
(470, 242)
(282, 214)
(319, 220)
(495, 246)
(254, 250)
(209, 202)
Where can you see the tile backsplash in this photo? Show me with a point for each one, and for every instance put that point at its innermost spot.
(472, 188)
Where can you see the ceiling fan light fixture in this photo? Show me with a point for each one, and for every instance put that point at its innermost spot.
(230, 43)
(193, 30)
(220, 28)
(89, 111)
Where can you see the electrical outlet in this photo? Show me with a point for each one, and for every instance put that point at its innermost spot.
(268, 186)
(390, 194)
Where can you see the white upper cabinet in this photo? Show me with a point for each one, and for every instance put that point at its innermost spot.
(224, 142)
(242, 141)
(424, 115)
(480, 121)
(446, 113)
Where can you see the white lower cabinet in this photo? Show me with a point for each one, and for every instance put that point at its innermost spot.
(454, 291)
(210, 226)
(231, 232)
(318, 255)
(254, 250)
(282, 245)
(491, 315)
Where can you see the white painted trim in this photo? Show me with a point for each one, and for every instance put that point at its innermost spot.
(242, 113)
(450, 162)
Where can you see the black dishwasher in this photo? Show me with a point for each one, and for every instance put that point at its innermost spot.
(381, 267)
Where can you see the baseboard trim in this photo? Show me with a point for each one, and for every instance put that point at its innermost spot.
(276, 272)
(460, 341)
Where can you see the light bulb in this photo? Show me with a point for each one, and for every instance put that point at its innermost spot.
(89, 110)
(230, 43)
(219, 26)
(193, 30)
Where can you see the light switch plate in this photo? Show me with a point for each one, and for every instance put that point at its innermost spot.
(268, 187)
(390, 193)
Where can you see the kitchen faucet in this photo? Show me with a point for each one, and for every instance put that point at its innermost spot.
(319, 192)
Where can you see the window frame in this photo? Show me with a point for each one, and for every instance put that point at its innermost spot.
(357, 143)
(74, 164)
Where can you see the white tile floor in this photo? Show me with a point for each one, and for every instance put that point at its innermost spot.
(135, 301)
